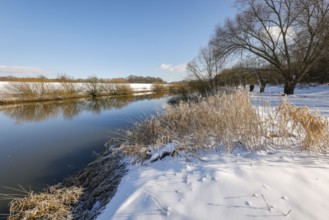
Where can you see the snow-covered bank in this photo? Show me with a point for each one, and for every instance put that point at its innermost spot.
(133, 86)
(19, 92)
(273, 184)
(266, 184)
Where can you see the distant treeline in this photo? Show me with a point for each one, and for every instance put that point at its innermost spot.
(66, 78)
(243, 76)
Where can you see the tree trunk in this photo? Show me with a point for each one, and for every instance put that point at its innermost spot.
(262, 82)
(289, 87)
(262, 87)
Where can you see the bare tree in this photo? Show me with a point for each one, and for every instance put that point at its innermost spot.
(288, 34)
(93, 86)
(205, 68)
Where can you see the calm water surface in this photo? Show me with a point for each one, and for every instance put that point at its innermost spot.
(45, 142)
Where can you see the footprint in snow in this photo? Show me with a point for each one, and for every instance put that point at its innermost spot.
(187, 179)
(272, 208)
(266, 186)
(248, 203)
(257, 195)
(284, 197)
(168, 212)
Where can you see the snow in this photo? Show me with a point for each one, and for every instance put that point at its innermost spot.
(134, 86)
(267, 184)
(141, 86)
(220, 186)
(162, 151)
(315, 97)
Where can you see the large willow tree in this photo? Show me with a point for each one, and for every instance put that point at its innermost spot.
(288, 34)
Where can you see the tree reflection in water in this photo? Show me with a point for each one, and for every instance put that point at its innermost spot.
(69, 109)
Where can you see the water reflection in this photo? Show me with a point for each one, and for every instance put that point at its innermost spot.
(69, 109)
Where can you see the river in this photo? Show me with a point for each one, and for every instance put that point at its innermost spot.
(42, 143)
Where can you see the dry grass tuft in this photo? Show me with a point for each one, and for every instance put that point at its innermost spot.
(228, 119)
(312, 128)
(159, 87)
(29, 89)
(54, 203)
(122, 89)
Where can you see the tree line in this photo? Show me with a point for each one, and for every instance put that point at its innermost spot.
(66, 78)
(269, 41)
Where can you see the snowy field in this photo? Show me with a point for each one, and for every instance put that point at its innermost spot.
(134, 86)
(268, 184)
(315, 97)
(272, 185)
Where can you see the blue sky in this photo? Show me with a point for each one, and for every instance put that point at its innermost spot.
(107, 39)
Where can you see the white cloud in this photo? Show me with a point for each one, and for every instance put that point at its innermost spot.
(276, 33)
(181, 68)
(21, 70)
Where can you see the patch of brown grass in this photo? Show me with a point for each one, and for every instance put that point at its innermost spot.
(122, 89)
(159, 87)
(312, 128)
(179, 87)
(54, 203)
(29, 89)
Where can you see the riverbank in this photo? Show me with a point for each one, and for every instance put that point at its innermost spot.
(267, 168)
(25, 92)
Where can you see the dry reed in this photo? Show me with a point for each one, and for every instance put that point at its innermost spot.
(312, 129)
(54, 203)
(15, 92)
(159, 87)
(30, 89)
(228, 120)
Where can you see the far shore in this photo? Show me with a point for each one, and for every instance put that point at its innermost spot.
(5, 100)
(16, 93)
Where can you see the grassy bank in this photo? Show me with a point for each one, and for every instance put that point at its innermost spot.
(21, 92)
